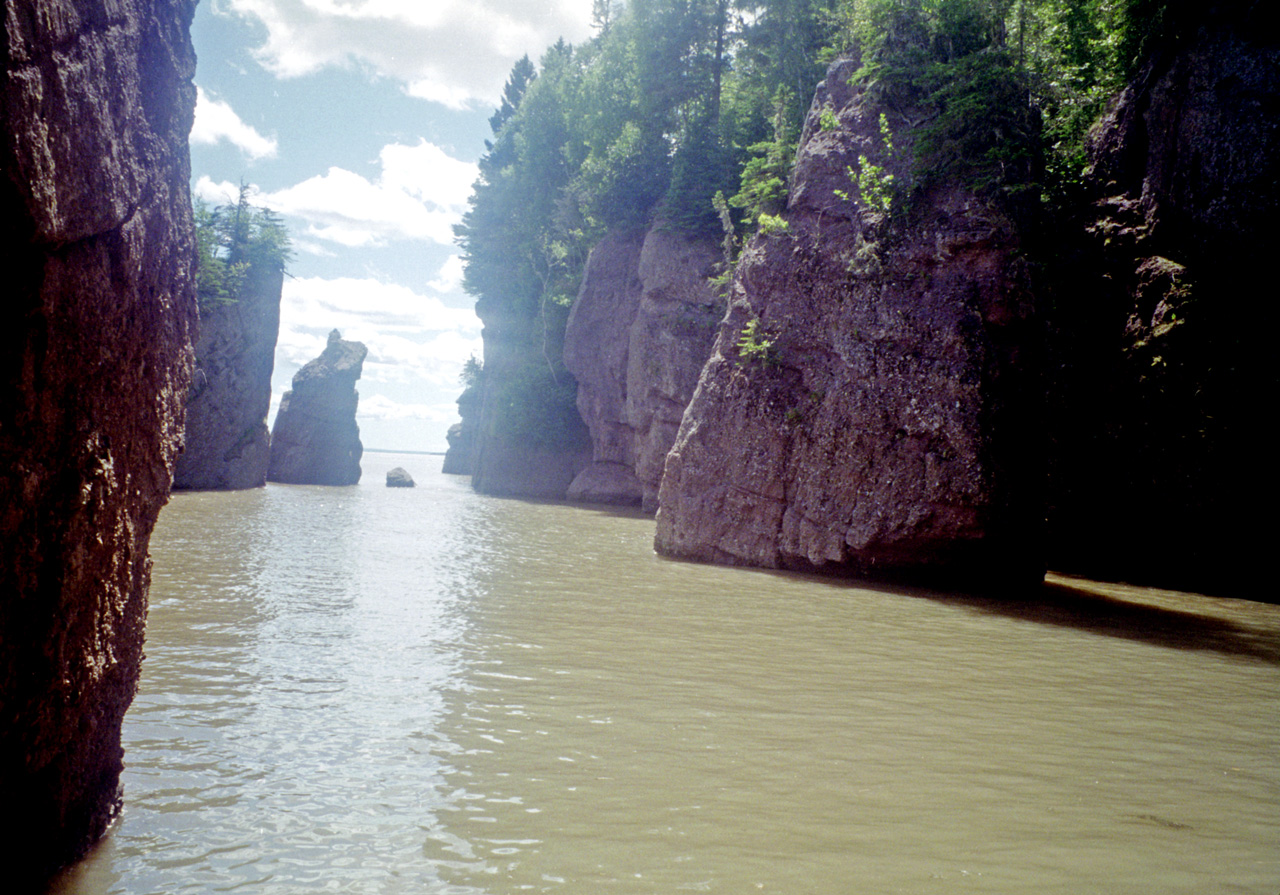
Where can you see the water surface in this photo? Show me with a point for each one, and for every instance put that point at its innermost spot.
(384, 691)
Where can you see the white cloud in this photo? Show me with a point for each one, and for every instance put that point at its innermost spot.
(380, 407)
(216, 192)
(450, 277)
(322, 304)
(411, 338)
(454, 52)
(420, 194)
(217, 121)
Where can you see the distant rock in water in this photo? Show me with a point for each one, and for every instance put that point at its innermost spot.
(399, 478)
(227, 445)
(99, 308)
(315, 440)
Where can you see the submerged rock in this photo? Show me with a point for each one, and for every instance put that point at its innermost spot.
(315, 440)
(870, 402)
(399, 478)
(96, 322)
(226, 444)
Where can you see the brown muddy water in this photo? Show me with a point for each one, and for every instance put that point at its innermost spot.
(385, 691)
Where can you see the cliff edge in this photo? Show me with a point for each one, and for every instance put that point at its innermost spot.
(227, 444)
(1160, 328)
(870, 403)
(637, 338)
(95, 208)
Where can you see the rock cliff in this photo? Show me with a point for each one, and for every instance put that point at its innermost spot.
(227, 445)
(462, 436)
(870, 402)
(636, 340)
(596, 347)
(528, 440)
(315, 440)
(95, 209)
(1161, 328)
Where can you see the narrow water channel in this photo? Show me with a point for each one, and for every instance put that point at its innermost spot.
(383, 691)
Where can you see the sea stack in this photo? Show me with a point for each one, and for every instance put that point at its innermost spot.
(315, 440)
(227, 445)
(98, 312)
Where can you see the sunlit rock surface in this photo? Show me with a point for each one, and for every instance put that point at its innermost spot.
(96, 322)
(315, 439)
(881, 417)
(637, 338)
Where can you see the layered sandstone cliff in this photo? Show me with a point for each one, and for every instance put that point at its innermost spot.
(870, 402)
(636, 340)
(315, 439)
(99, 305)
(227, 444)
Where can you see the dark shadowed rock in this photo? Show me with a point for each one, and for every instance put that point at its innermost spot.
(1163, 325)
(315, 440)
(869, 404)
(98, 309)
(399, 478)
(521, 429)
(227, 445)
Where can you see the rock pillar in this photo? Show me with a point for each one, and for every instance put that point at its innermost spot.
(99, 305)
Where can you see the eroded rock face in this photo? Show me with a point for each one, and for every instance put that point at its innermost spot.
(315, 440)
(596, 348)
(227, 444)
(99, 307)
(869, 404)
(457, 459)
(640, 331)
(1161, 333)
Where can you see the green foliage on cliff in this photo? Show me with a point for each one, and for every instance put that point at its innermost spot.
(753, 345)
(531, 407)
(675, 102)
(233, 240)
(649, 119)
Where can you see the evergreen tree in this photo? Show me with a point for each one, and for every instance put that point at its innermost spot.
(231, 241)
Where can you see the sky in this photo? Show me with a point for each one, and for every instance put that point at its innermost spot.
(360, 122)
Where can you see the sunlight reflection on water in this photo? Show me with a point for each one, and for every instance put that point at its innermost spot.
(374, 690)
